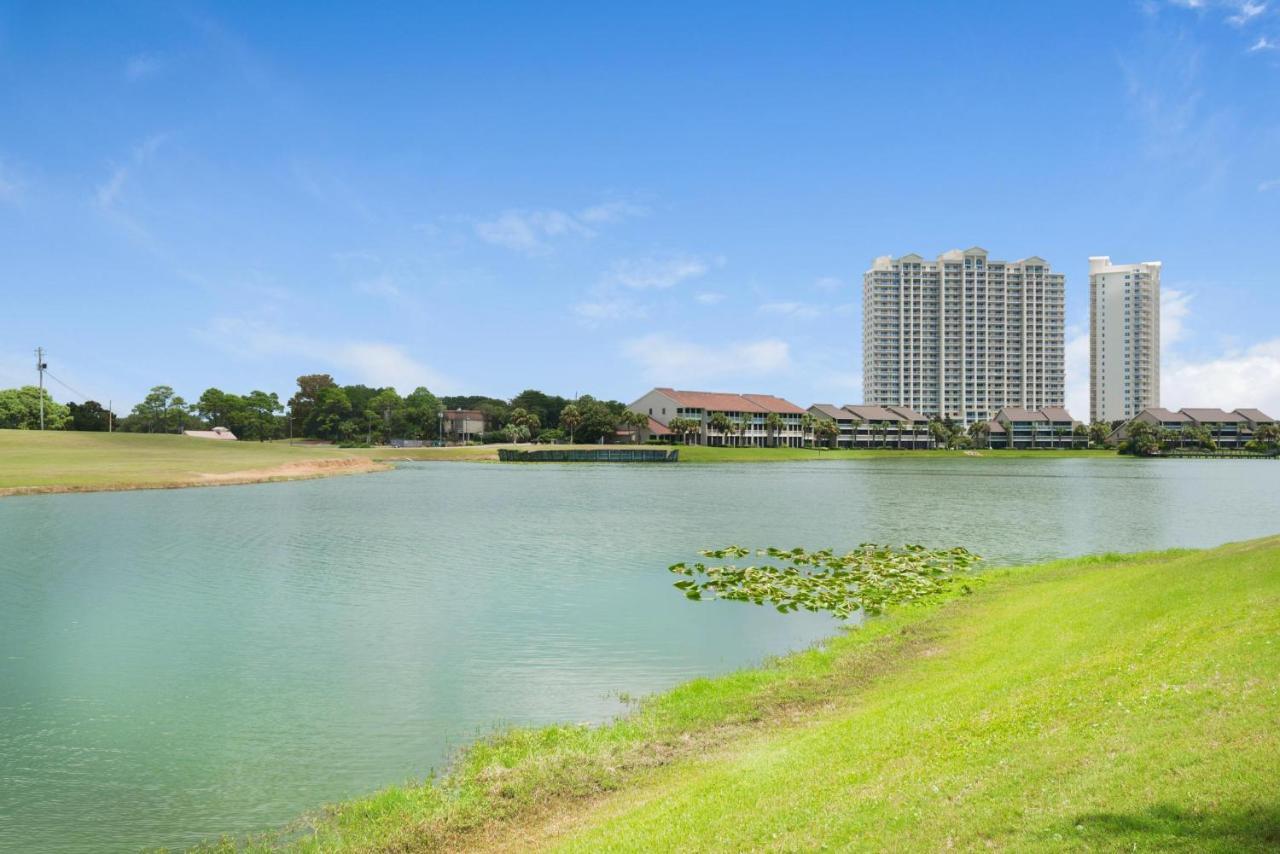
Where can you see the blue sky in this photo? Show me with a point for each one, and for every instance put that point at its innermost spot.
(604, 197)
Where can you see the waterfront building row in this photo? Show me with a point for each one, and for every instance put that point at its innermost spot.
(1229, 430)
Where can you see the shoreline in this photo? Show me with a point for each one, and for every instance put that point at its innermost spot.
(964, 692)
(308, 470)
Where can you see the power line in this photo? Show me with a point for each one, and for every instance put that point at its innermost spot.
(74, 391)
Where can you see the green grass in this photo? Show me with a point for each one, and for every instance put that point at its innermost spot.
(1116, 702)
(56, 460)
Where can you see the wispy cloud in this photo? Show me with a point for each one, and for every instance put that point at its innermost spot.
(379, 286)
(594, 312)
(710, 297)
(534, 231)
(141, 66)
(1175, 309)
(1264, 43)
(11, 185)
(1246, 12)
(1268, 186)
(664, 359)
(800, 310)
(375, 363)
(828, 283)
(659, 271)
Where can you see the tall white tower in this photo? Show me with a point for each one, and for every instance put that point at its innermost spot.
(1124, 338)
(962, 336)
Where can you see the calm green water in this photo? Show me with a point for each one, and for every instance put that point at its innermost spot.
(180, 664)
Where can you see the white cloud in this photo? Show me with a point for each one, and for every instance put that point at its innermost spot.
(381, 286)
(594, 312)
(666, 360)
(710, 298)
(799, 310)
(10, 184)
(1268, 186)
(108, 192)
(1175, 308)
(658, 272)
(141, 66)
(1264, 43)
(1246, 12)
(1244, 378)
(828, 283)
(533, 231)
(374, 363)
(1077, 368)
(611, 212)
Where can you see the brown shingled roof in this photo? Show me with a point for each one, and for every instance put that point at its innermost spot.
(774, 404)
(868, 412)
(1057, 413)
(1212, 415)
(712, 401)
(657, 428)
(1257, 416)
(1164, 414)
(832, 411)
(1017, 413)
(910, 414)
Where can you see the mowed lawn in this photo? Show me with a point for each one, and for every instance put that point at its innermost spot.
(72, 460)
(1112, 703)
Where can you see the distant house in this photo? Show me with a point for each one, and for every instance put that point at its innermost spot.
(1048, 427)
(216, 433)
(749, 417)
(1229, 430)
(463, 425)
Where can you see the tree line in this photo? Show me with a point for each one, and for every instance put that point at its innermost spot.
(323, 409)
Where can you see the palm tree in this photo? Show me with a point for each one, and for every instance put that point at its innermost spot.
(806, 427)
(980, 434)
(828, 429)
(570, 419)
(744, 424)
(637, 421)
(773, 424)
(723, 425)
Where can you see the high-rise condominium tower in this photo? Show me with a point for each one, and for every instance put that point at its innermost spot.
(1124, 338)
(962, 336)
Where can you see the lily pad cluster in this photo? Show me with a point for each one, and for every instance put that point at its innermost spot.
(867, 579)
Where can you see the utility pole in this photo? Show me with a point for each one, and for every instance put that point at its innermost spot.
(40, 368)
(110, 426)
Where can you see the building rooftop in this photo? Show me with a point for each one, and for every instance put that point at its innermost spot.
(1257, 416)
(908, 413)
(1162, 414)
(868, 412)
(774, 404)
(832, 411)
(1212, 416)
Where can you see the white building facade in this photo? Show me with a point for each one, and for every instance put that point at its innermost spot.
(963, 336)
(1124, 338)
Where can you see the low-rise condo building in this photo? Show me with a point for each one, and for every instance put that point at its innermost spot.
(1187, 427)
(463, 425)
(1050, 427)
(723, 418)
(867, 426)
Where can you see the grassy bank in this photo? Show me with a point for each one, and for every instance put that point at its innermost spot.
(55, 461)
(1103, 703)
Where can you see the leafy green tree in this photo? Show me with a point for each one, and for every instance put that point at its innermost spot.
(89, 416)
(599, 418)
(387, 414)
(303, 403)
(570, 419)
(420, 415)
(213, 407)
(980, 434)
(153, 412)
(1099, 432)
(633, 421)
(331, 417)
(827, 430)
(261, 409)
(20, 409)
(1142, 440)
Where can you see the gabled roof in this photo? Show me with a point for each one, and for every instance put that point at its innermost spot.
(831, 411)
(1212, 415)
(868, 412)
(994, 426)
(1160, 414)
(1257, 416)
(909, 414)
(712, 401)
(1057, 413)
(657, 428)
(774, 404)
(1017, 413)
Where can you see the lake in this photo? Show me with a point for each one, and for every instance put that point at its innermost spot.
(180, 664)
